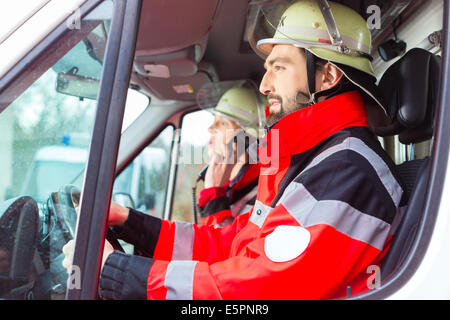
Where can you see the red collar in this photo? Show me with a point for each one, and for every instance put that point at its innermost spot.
(305, 128)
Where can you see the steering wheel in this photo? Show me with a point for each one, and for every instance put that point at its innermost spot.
(19, 220)
(64, 204)
(112, 238)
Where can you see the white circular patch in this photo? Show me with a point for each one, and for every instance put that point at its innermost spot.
(286, 243)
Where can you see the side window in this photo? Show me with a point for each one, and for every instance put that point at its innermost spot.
(46, 133)
(136, 104)
(192, 158)
(143, 184)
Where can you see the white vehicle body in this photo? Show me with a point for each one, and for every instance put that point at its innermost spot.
(66, 162)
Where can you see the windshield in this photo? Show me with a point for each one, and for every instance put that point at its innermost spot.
(123, 180)
(48, 176)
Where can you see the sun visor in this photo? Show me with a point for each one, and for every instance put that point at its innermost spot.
(180, 63)
(171, 43)
(180, 88)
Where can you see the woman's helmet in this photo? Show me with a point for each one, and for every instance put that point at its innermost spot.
(239, 101)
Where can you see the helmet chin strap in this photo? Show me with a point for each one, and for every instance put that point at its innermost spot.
(311, 75)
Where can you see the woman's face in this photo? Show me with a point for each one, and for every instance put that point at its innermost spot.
(222, 131)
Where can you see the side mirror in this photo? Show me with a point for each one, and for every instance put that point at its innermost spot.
(124, 199)
(149, 201)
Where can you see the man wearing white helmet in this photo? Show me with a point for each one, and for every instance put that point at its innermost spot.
(231, 179)
(326, 201)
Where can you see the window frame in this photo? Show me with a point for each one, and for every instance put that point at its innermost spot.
(132, 156)
(99, 176)
(178, 119)
(42, 57)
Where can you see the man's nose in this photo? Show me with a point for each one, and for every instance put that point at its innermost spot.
(266, 86)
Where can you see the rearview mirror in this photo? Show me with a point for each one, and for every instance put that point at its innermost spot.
(78, 86)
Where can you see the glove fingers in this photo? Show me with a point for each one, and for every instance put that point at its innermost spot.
(67, 263)
(110, 288)
(68, 247)
(68, 250)
(112, 272)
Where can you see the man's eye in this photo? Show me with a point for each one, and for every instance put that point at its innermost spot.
(277, 68)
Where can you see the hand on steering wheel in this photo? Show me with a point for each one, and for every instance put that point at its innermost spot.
(117, 217)
(69, 248)
(113, 239)
(64, 205)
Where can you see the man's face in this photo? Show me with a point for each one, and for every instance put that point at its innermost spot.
(285, 82)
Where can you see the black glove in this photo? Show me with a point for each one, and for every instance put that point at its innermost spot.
(124, 277)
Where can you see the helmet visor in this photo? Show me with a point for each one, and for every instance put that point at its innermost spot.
(299, 23)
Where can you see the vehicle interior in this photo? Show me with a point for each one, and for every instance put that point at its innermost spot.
(226, 54)
(213, 42)
(219, 48)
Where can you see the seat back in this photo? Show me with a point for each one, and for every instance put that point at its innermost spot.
(410, 88)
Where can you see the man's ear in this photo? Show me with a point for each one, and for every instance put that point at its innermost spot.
(328, 77)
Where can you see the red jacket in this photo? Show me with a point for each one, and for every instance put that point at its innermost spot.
(327, 200)
(219, 206)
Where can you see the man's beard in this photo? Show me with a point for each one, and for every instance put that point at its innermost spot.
(300, 101)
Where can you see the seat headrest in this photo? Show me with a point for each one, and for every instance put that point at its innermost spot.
(410, 88)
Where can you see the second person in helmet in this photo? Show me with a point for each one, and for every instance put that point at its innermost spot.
(231, 179)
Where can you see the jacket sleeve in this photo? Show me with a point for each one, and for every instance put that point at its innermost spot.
(174, 240)
(214, 206)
